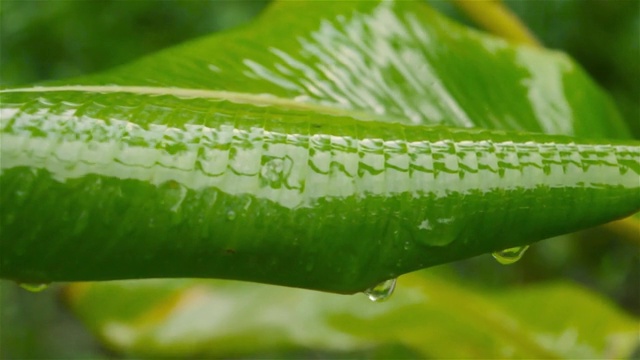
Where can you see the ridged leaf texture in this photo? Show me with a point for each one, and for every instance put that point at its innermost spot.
(367, 141)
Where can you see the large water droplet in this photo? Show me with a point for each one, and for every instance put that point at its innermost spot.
(381, 291)
(510, 255)
(34, 287)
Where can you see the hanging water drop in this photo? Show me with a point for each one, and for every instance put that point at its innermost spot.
(510, 255)
(34, 287)
(381, 291)
(231, 215)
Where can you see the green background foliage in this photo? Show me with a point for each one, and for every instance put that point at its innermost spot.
(52, 40)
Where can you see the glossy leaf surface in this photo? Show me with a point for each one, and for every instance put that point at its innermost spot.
(310, 159)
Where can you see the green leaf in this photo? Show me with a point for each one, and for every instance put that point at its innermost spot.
(394, 61)
(429, 316)
(303, 151)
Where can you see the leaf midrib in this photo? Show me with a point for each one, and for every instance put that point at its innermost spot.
(219, 95)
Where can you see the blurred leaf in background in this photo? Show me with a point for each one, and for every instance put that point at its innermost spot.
(430, 316)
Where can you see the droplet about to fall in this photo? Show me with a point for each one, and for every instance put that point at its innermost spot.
(381, 291)
(34, 287)
(510, 255)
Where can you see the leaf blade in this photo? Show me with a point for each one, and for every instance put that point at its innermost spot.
(156, 154)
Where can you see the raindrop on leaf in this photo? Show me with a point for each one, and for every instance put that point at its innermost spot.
(381, 291)
(510, 255)
(34, 287)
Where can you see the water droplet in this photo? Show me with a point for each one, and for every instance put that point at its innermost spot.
(34, 287)
(510, 255)
(381, 291)
(231, 215)
(272, 170)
